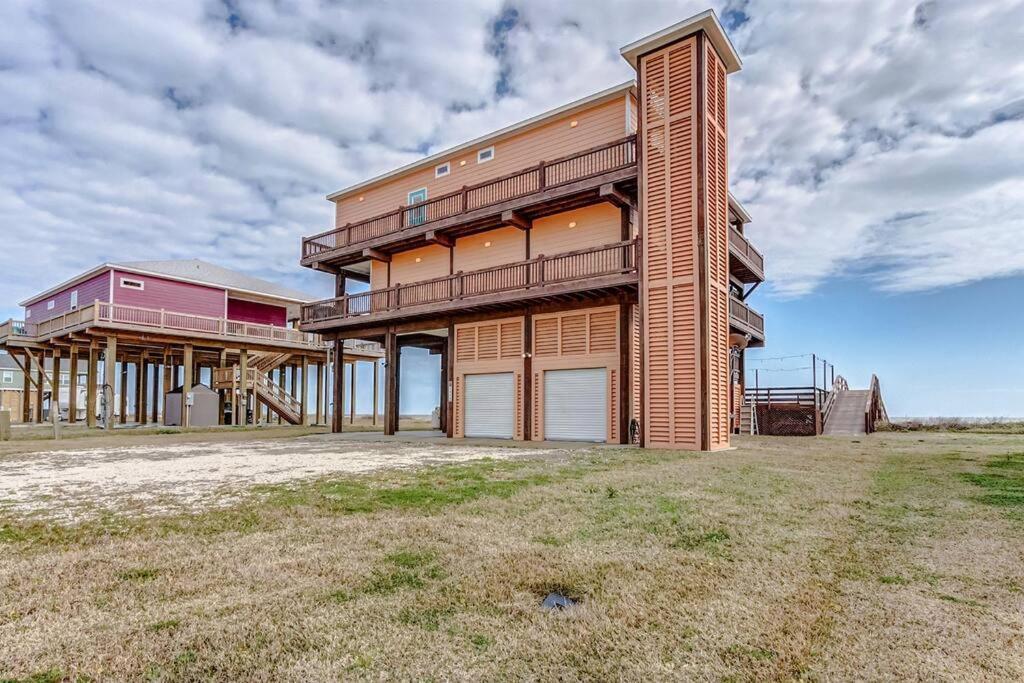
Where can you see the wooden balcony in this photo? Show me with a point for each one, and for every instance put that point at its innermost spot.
(133, 318)
(546, 188)
(746, 320)
(584, 272)
(746, 263)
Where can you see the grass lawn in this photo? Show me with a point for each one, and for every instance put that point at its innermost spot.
(892, 556)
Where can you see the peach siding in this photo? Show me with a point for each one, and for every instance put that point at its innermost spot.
(507, 246)
(434, 262)
(378, 275)
(486, 347)
(587, 338)
(595, 225)
(596, 125)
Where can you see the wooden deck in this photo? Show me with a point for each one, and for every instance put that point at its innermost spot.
(549, 187)
(746, 263)
(746, 320)
(105, 316)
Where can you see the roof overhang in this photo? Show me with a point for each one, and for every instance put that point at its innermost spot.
(706, 21)
(738, 209)
(521, 126)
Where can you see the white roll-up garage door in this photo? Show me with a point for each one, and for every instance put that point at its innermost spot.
(576, 404)
(490, 406)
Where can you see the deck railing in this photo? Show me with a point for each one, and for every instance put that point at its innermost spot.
(745, 314)
(742, 245)
(609, 259)
(579, 166)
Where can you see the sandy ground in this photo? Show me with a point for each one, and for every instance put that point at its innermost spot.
(73, 485)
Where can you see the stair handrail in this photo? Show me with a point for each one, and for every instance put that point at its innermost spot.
(838, 384)
(278, 393)
(874, 406)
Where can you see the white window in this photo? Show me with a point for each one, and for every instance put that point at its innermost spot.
(28, 312)
(64, 379)
(441, 170)
(485, 155)
(74, 300)
(128, 283)
(8, 377)
(50, 305)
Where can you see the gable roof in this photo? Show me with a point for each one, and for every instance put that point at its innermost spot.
(190, 270)
(7, 363)
(706, 21)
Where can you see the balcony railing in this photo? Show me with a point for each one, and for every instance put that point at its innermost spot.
(100, 312)
(742, 246)
(740, 312)
(611, 259)
(545, 175)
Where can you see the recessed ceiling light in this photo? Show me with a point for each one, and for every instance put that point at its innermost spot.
(573, 124)
(572, 224)
(418, 259)
(487, 244)
(462, 163)
(361, 199)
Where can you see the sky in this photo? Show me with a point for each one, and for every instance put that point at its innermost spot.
(876, 144)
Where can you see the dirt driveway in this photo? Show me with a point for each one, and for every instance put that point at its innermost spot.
(74, 485)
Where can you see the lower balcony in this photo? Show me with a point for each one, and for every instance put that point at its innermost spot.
(592, 271)
(746, 320)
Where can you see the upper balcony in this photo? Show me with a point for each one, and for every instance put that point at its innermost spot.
(746, 263)
(549, 187)
(746, 320)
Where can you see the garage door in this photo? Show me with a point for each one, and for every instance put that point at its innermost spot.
(490, 406)
(575, 404)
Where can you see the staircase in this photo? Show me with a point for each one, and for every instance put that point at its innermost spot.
(266, 392)
(853, 412)
(265, 362)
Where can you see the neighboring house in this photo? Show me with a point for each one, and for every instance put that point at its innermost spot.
(181, 316)
(583, 273)
(12, 390)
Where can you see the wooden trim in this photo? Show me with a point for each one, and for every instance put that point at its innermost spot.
(516, 219)
(392, 356)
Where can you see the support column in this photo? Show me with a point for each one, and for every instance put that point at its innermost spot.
(338, 414)
(109, 370)
(143, 393)
(73, 385)
(376, 390)
(90, 385)
(55, 384)
(450, 431)
(167, 383)
(319, 393)
(243, 398)
(222, 363)
(39, 387)
(154, 396)
(528, 376)
(443, 403)
(123, 405)
(26, 389)
(625, 371)
(186, 387)
(352, 394)
(392, 355)
(304, 391)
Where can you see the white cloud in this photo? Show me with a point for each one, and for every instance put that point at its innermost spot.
(874, 139)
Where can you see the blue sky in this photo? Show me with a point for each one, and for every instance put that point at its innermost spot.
(876, 145)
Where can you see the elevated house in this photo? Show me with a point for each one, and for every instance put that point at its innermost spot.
(168, 324)
(583, 274)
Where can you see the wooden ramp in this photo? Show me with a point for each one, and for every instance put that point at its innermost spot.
(847, 416)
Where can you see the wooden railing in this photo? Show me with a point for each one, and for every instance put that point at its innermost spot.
(579, 166)
(805, 396)
(874, 409)
(610, 259)
(838, 384)
(745, 314)
(742, 246)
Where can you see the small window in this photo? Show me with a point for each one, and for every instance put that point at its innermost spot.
(64, 380)
(128, 283)
(485, 155)
(8, 377)
(74, 300)
(441, 170)
(28, 312)
(50, 305)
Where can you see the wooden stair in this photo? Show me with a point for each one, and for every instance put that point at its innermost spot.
(265, 362)
(266, 392)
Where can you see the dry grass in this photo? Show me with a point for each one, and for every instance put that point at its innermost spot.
(895, 556)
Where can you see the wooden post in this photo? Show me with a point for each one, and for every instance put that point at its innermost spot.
(338, 413)
(154, 396)
(90, 386)
(243, 402)
(143, 393)
(55, 384)
(304, 391)
(450, 427)
(109, 369)
(352, 393)
(222, 363)
(186, 387)
(234, 395)
(167, 383)
(73, 385)
(392, 356)
(26, 389)
(319, 393)
(376, 389)
(39, 390)
(123, 405)
(625, 370)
